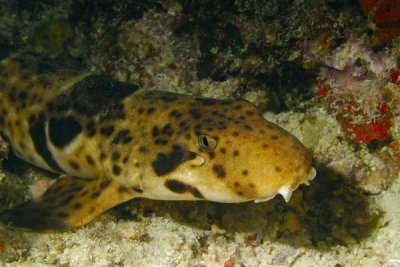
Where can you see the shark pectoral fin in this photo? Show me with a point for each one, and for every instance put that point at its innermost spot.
(69, 202)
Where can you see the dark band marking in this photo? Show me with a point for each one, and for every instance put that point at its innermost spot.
(167, 130)
(116, 170)
(38, 135)
(219, 171)
(107, 131)
(95, 94)
(122, 137)
(63, 130)
(91, 129)
(179, 187)
(104, 184)
(166, 163)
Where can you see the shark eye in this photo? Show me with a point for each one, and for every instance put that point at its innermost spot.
(206, 142)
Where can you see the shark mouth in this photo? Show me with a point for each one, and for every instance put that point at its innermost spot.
(287, 190)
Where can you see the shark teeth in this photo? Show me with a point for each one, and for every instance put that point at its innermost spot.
(286, 192)
(310, 177)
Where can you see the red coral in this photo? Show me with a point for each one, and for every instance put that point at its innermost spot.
(394, 76)
(382, 12)
(386, 15)
(348, 110)
(367, 132)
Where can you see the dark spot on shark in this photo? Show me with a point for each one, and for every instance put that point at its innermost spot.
(74, 165)
(116, 170)
(167, 130)
(104, 184)
(196, 193)
(137, 189)
(122, 137)
(63, 130)
(176, 186)
(91, 129)
(248, 127)
(166, 163)
(107, 131)
(155, 131)
(175, 113)
(160, 142)
(219, 171)
(179, 187)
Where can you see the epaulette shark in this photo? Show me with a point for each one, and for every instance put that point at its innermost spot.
(113, 141)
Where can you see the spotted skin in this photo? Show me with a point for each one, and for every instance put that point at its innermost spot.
(114, 141)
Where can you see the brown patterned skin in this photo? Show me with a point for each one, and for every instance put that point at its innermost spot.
(116, 141)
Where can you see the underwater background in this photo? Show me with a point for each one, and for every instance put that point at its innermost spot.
(326, 71)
